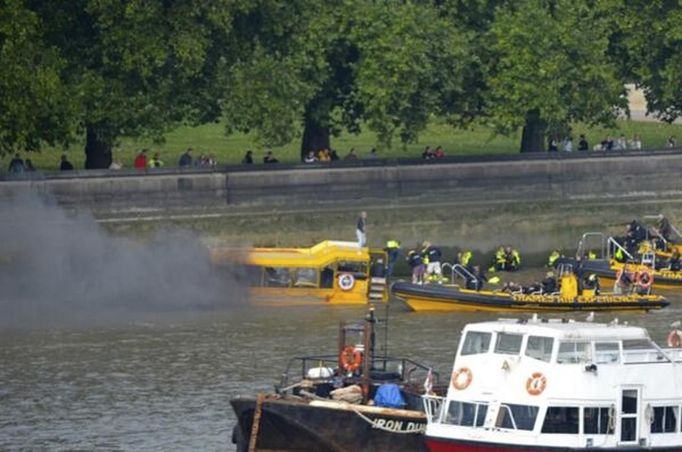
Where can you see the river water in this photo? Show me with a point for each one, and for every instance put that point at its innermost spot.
(164, 382)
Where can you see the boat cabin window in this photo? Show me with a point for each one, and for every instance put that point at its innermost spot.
(516, 417)
(466, 414)
(353, 267)
(664, 419)
(637, 344)
(276, 277)
(540, 347)
(476, 342)
(574, 352)
(508, 344)
(606, 352)
(561, 419)
(598, 420)
(305, 277)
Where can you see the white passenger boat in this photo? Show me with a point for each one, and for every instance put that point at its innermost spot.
(558, 385)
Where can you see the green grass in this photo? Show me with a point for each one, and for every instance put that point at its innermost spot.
(210, 139)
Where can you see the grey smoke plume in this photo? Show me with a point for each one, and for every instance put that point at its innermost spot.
(58, 267)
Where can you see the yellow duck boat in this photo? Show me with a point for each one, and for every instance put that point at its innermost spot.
(452, 297)
(333, 272)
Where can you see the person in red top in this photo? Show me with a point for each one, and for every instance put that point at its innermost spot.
(141, 160)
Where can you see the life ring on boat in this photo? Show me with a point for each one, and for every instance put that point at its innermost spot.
(350, 358)
(346, 281)
(461, 378)
(536, 383)
(675, 339)
(645, 279)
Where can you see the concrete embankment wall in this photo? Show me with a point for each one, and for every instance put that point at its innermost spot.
(614, 177)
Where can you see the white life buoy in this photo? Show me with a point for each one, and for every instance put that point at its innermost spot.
(346, 281)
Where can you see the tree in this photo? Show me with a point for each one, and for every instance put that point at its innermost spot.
(34, 107)
(136, 68)
(550, 67)
(648, 43)
(325, 68)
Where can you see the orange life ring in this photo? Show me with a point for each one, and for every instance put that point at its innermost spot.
(675, 339)
(645, 279)
(350, 358)
(536, 383)
(461, 378)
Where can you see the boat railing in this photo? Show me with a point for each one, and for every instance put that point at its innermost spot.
(582, 244)
(613, 245)
(433, 407)
(458, 270)
(383, 368)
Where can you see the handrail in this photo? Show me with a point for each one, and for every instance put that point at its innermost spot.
(583, 240)
(433, 407)
(460, 270)
(614, 242)
(672, 226)
(511, 415)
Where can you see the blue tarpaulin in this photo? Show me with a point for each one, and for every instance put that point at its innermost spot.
(388, 396)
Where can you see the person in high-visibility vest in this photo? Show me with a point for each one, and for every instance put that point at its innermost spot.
(464, 258)
(554, 256)
(392, 251)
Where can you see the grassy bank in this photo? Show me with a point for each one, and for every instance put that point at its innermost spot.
(210, 139)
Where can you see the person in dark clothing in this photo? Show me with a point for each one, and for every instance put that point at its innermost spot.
(269, 158)
(16, 165)
(392, 252)
(248, 158)
(28, 166)
(476, 280)
(185, 159)
(582, 144)
(674, 263)
(65, 164)
(549, 283)
(416, 263)
(664, 229)
(432, 256)
(333, 156)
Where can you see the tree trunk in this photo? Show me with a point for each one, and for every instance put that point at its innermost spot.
(98, 145)
(533, 137)
(315, 138)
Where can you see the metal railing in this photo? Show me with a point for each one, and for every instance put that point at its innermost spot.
(458, 270)
(582, 244)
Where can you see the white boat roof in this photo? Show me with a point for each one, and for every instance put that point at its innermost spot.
(566, 329)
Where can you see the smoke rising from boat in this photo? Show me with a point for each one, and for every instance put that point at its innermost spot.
(58, 268)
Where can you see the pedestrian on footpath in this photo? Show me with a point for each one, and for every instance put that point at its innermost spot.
(361, 229)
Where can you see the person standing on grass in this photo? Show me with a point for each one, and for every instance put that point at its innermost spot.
(17, 164)
(65, 165)
(361, 229)
(185, 159)
(141, 160)
(248, 158)
(582, 144)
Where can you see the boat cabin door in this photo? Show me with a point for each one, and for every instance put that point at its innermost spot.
(629, 417)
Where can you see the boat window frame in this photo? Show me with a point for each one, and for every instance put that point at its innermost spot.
(589, 350)
(610, 413)
(552, 348)
(464, 342)
(478, 419)
(508, 408)
(498, 334)
(577, 409)
(676, 413)
(618, 350)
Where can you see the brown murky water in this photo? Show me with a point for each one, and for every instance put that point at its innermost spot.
(166, 384)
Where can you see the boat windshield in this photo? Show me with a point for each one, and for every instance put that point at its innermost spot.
(540, 347)
(476, 342)
(466, 414)
(516, 417)
(508, 344)
(574, 352)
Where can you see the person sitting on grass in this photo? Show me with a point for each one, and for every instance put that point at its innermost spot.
(270, 158)
(351, 155)
(248, 158)
(185, 159)
(310, 158)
